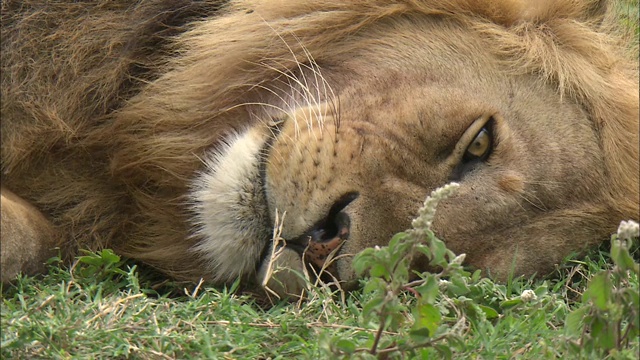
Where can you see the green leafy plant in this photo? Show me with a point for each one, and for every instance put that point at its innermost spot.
(609, 316)
(437, 313)
(386, 305)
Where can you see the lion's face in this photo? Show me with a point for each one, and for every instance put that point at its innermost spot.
(180, 133)
(346, 168)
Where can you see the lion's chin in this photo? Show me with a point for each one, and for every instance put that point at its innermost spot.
(230, 212)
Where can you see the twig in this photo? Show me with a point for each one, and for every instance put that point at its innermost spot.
(195, 291)
(397, 348)
(374, 347)
(112, 306)
(44, 303)
(310, 325)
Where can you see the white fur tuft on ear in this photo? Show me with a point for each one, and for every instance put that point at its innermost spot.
(230, 211)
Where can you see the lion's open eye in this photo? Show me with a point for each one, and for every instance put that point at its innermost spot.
(477, 151)
(480, 147)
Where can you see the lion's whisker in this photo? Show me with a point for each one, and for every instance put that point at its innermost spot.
(540, 205)
(303, 83)
(544, 182)
(298, 64)
(253, 104)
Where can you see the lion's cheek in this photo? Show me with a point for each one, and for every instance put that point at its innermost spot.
(375, 216)
(476, 220)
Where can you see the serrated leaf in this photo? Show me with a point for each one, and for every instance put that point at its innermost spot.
(419, 335)
(598, 290)
(346, 346)
(362, 261)
(438, 250)
(379, 271)
(602, 334)
(489, 312)
(621, 257)
(510, 303)
(401, 273)
(426, 251)
(428, 290)
(444, 351)
(457, 286)
(574, 321)
(396, 318)
(427, 316)
(373, 285)
(372, 305)
(109, 256)
(90, 260)
(397, 238)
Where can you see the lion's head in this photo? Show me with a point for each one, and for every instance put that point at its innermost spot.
(525, 107)
(339, 117)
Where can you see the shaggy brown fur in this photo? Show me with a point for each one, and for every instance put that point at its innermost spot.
(109, 106)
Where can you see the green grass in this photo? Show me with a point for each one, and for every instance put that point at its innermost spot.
(628, 11)
(101, 311)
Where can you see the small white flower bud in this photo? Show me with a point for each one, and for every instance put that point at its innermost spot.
(628, 230)
(458, 260)
(443, 285)
(428, 209)
(528, 296)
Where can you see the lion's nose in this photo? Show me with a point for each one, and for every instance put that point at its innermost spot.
(329, 233)
(324, 241)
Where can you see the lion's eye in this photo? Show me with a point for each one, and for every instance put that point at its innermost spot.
(477, 151)
(480, 147)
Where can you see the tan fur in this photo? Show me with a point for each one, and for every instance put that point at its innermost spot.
(108, 109)
(27, 239)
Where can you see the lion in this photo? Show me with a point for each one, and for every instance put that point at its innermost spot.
(177, 132)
